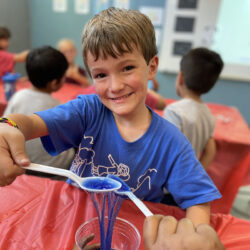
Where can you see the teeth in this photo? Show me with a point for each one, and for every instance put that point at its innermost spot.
(119, 98)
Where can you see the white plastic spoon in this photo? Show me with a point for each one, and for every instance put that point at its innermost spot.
(125, 190)
(91, 184)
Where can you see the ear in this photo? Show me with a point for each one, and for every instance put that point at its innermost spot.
(153, 66)
(180, 78)
(54, 85)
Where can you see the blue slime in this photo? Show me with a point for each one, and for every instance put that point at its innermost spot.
(99, 184)
(105, 202)
(124, 187)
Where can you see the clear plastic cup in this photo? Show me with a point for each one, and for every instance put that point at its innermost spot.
(125, 234)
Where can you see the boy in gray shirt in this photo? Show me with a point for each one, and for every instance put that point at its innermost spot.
(46, 68)
(199, 71)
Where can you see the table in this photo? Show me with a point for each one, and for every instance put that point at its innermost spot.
(40, 213)
(232, 161)
(231, 166)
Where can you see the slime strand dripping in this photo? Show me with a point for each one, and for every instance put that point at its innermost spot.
(113, 202)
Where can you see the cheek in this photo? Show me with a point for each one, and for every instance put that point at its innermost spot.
(99, 88)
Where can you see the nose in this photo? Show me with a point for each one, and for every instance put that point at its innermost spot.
(116, 84)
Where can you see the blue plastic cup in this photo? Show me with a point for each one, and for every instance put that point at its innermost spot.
(9, 80)
(125, 234)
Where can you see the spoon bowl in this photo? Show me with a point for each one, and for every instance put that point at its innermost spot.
(125, 190)
(91, 184)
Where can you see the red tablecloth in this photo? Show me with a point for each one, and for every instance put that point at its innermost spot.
(39, 213)
(231, 166)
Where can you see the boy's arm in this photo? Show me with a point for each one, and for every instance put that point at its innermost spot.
(12, 144)
(21, 57)
(161, 104)
(208, 153)
(199, 214)
(73, 73)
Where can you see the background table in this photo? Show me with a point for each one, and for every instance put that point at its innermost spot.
(40, 213)
(231, 166)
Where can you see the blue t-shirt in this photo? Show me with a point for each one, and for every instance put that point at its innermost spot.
(162, 157)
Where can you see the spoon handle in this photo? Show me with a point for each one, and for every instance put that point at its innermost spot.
(139, 204)
(52, 170)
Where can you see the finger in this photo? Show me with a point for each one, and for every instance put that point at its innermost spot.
(6, 181)
(167, 227)
(95, 246)
(17, 150)
(150, 229)
(206, 231)
(85, 240)
(185, 226)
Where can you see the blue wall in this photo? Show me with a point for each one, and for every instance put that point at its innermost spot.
(48, 27)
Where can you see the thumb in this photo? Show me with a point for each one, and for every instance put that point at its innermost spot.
(150, 230)
(18, 153)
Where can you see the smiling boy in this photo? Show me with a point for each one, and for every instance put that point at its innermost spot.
(115, 132)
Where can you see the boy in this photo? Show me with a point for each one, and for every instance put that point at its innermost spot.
(45, 67)
(199, 71)
(115, 132)
(8, 60)
(74, 73)
(77, 75)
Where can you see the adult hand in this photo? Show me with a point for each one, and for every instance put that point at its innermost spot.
(84, 241)
(12, 154)
(166, 233)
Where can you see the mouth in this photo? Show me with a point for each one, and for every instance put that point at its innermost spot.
(120, 98)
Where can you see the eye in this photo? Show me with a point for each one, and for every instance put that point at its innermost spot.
(128, 68)
(100, 75)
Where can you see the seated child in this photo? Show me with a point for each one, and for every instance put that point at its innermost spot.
(46, 68)
(115, 132)
(199, 71)
(74, 73)
(7, 59)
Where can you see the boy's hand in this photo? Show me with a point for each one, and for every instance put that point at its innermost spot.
(165, 232)
(12, 154)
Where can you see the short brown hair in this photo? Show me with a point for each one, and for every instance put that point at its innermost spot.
(115, 31)
(201, 68)
(4, 33)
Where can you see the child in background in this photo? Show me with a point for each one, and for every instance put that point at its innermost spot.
(45, 68)
(74, 73)
(153, 84)
(115, 132)
(7, 59)
(199, 71)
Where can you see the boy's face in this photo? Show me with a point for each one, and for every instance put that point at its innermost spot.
(121, 83)
(4, 43)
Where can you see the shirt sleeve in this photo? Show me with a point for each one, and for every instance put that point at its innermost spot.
(188, 182)
(66, 123)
